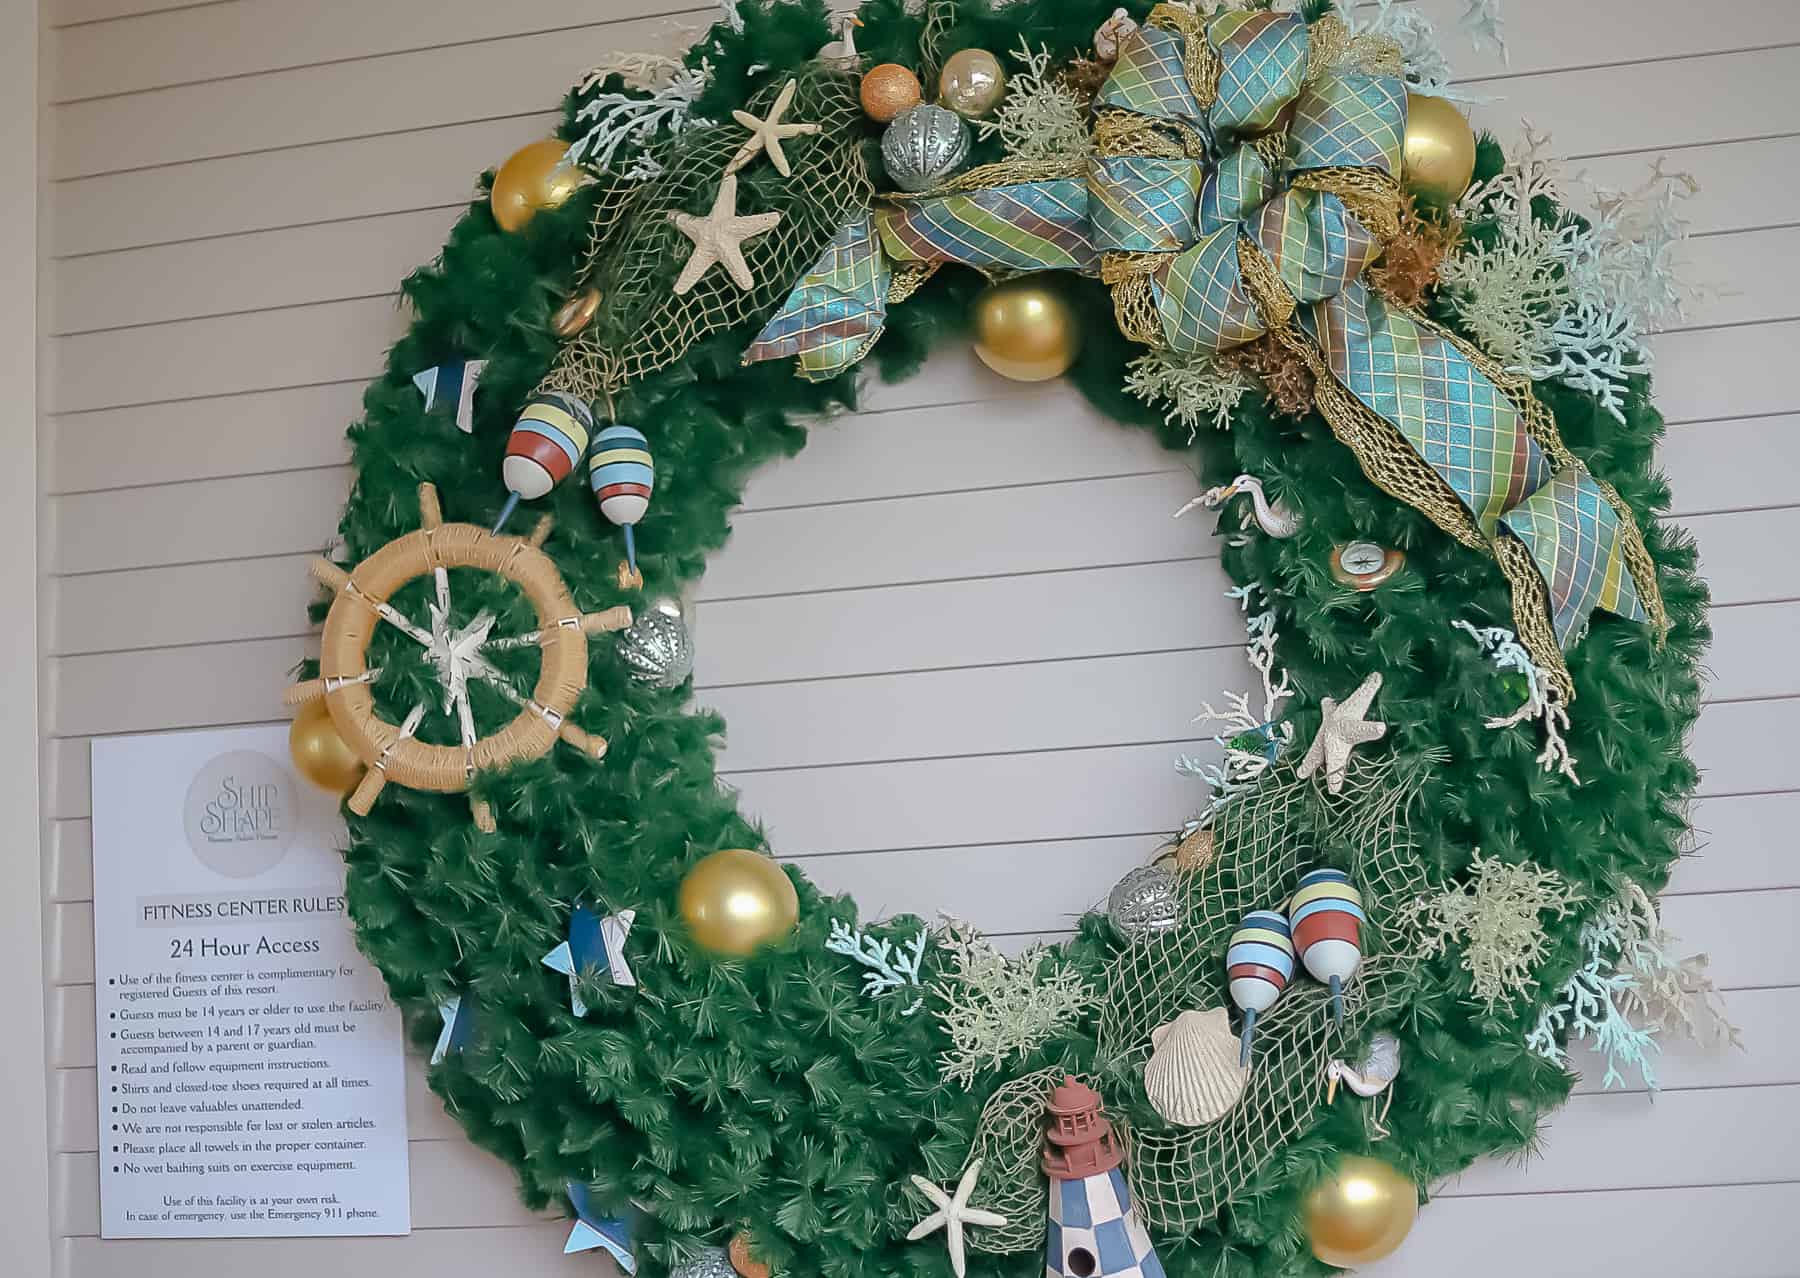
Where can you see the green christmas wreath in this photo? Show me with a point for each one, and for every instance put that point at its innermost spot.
(790, 1096)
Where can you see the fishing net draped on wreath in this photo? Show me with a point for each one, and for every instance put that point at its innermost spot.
(1182, 1177)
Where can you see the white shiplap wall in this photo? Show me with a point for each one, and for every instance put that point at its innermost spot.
(932, 694)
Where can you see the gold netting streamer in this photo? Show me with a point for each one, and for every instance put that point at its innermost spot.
(1181, 1177)
(634, 251)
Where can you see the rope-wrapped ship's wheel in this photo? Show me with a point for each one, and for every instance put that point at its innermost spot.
(393, 751)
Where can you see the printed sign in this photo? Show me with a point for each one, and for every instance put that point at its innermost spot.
(250, 1068)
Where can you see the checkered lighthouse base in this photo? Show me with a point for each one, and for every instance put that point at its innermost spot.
(1094, 1233)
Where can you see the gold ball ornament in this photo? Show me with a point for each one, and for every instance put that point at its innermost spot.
(887, 90)
(321, 755)
(1438, 153)
(533, 177)
(971, 83)
(735, 900)
(1025, 331)
(1361, 1213)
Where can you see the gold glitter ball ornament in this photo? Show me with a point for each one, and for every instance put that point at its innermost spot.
(887, 90)
(1025, 331)
(1438, 152)
(533, 177)
(971, 83)
(576, 313)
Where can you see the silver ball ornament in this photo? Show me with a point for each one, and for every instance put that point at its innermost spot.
(657, 648)
(1143, 903)
(714, 1262)
(923, 146)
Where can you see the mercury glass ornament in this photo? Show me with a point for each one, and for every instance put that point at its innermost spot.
(657, 649)
(711, 1263)
(972, 83)
(1143, 903)
(923, 146)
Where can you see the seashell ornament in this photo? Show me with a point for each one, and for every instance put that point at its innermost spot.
(1143, 903)
(1111, 33)
(1193, 1076)
(924, 145)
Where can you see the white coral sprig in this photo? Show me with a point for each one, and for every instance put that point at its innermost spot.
(1196, 390)
(889, 968)
(1630, 970)
(619, 121)
(1238, 771)
(1543, 700)
(1560, 298)
(1497, 919)
(994, 1008)
(1041, 117)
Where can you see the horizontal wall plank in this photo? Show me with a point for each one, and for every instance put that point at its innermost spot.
(434, 167)
(324, 262)
(523, 1252)
(1750, 1231)
(454, 84)
(1742, 844)
(1710, 373)
(212, 42)
(1727, 1136)
(1770, 1021)
(1764, 468)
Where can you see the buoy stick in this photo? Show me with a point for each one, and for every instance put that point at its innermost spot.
(1337, 999)
(512, 504)
(1249, 1030)
(630, 547)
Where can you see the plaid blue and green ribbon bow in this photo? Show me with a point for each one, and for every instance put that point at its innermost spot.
(1244, 176)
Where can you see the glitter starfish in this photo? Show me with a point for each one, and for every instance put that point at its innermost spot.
(1342, 729)
(953, 1212)
(719, 237)
(768, 133)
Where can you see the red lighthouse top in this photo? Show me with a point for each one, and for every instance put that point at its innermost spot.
(1079, 1141)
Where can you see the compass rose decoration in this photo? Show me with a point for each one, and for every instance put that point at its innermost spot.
(458, 654)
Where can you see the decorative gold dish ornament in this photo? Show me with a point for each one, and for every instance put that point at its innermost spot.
(1364, 565)
(392, 751)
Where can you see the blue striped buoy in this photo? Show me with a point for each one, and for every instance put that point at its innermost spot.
(1259, 962)
(623, 476)
(545, 446)
(1327, 915)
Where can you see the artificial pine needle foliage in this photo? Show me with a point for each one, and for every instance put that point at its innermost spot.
(769, 1095)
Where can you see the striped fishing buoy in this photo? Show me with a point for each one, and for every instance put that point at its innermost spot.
(1259, 962)
(546, 444)
(623, 475)
(1327, 916)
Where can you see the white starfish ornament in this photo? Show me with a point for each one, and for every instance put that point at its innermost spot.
(768, 133)
(953, 1212)
(1341, 730)
(719, 237)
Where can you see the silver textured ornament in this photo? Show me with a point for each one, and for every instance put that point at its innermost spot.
(714, 1262)
(1144, 903)
(923, 146)
(657, 648)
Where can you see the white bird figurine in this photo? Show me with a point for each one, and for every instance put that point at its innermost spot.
(840, 54)
(1371, 1076)
(1274, 518)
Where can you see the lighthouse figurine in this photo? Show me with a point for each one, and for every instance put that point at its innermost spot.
(1094, 1233)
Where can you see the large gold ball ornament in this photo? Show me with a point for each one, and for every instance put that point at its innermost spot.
(533, 178)
(320, 754)
(1361, 1213)
(971, 83)
(1438, 154)
(1026, 331)
(887, 90)
(736, 900)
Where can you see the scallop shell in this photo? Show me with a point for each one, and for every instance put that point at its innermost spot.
(1193, 1077)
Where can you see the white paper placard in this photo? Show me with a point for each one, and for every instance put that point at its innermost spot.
(251, 1078)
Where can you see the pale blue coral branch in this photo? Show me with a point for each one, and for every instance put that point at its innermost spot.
(889, 969)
